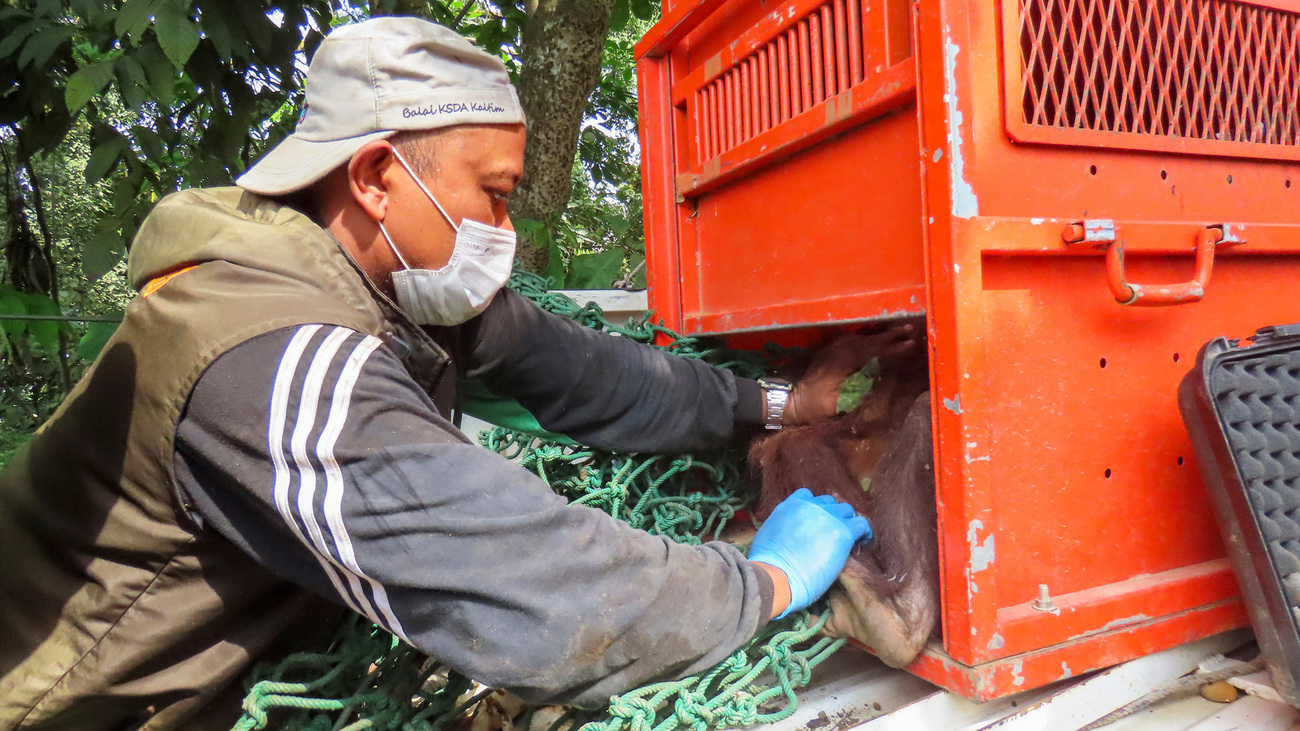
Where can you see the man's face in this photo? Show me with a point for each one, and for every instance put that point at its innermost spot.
(475, 169)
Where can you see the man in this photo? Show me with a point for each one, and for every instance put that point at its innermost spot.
(271, 417)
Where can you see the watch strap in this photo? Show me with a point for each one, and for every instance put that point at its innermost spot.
(776, 396)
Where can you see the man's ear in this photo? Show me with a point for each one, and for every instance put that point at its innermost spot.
(366, 172)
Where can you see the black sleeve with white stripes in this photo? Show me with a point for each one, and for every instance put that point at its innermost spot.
(314, 451)
(605, 391)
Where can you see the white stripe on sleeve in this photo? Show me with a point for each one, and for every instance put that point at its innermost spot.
(280, 393)
(331, 543)
(340, 403)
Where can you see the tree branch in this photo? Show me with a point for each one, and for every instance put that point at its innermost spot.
(464, 10)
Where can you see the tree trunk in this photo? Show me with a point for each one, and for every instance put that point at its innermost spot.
(560, 55)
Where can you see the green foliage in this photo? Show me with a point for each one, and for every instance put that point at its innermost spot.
(11, 440)
(173, 93)
(593, 271)
(857, 387)
(96, 337)
(30, 358)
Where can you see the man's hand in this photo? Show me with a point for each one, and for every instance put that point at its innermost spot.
(807, 539)
(814, 396)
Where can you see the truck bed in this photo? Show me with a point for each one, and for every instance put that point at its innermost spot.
(854, 690)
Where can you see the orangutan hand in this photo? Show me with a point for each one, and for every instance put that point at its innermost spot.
(815, 395)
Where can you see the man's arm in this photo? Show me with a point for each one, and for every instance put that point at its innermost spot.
(601, 390)
(312, 450)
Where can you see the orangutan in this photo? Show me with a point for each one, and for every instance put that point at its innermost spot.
(879, 459)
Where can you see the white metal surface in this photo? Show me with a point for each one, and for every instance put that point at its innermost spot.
(618, 304)
(854, 690)
(1258, 684)
(1093, 697)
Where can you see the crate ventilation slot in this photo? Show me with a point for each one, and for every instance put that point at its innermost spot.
(1194, 69)
(814, 59)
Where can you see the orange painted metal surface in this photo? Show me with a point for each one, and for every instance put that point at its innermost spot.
(929, 156)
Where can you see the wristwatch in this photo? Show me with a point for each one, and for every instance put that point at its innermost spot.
(776, 393)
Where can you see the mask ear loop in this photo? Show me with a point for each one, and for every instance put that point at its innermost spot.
(392, 246)
(427, 192)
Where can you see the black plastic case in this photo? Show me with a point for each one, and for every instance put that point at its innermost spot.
(1241, 405)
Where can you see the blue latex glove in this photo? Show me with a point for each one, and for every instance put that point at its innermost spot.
(809, 538)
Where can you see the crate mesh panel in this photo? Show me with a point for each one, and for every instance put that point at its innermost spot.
(1259, 404)
(815, 59)
(1201, 69)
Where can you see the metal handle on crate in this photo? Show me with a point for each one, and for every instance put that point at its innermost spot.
(1101, 232)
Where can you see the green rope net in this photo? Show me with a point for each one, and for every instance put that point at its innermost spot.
(370, 680)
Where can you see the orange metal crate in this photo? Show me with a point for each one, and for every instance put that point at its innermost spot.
(814, 162)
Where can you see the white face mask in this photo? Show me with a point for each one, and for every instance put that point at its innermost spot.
(479, 267)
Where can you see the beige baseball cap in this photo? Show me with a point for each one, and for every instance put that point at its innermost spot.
(369, 81)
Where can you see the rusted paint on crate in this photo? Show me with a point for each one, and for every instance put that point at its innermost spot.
(965, 204)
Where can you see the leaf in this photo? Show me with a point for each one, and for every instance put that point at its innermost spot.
(86, 84)
(527, 226)
(857, 387)
(133, 18)
(643, 9)
(217, 31)
(48, 8)
(44, 332)
(594, 271)
(616, 223)
(161, 73)
(131, 81)
(97, 336)
(637, 262)
(103, 159)
(555, 268)
(41, 46)
(102, 253)
(260, 30)
(149, 142)
(620, 15)
(14, 40)
(12, 304)
(536, 233)
(177, 33)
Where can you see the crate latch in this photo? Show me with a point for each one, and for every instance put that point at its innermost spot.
(1101, 232)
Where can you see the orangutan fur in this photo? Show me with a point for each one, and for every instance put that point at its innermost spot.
(888, 595)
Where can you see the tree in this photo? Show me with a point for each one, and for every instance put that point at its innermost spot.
(560, 58)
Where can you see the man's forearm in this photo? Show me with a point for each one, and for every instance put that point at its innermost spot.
(606, 391)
